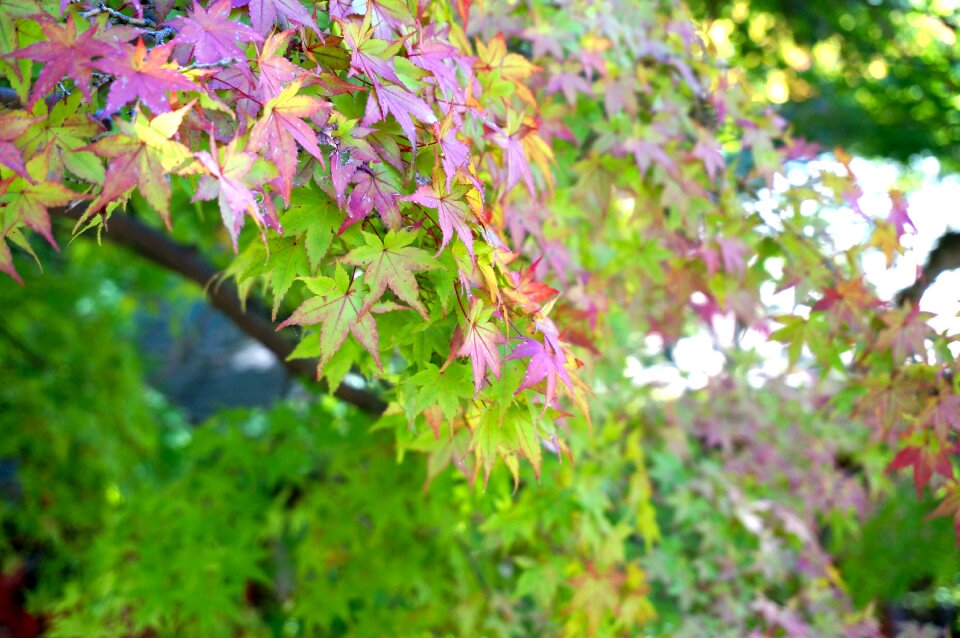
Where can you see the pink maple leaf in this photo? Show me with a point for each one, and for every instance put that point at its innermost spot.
(144, 75)
(212, 33)
(13, 124)
(546, 363)
(942, 414)
(709, 153)
(373, 188)
(731, 253)
(452, 213)
(646, 152)
(392, 99)
(227, 182)
(514, 157)
(437, 57)
(263, 14)
(281, 129)
(899, 214)
(481, 342)
(275, 70)
(454, 154)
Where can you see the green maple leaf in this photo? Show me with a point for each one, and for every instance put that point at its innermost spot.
(28, 203)
(288, 260)
(507, 438)
(391, 263)
(68, 130)
(443, 388)
(339, 311)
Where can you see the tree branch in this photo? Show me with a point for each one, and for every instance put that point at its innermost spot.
(944, 256)
(188, 262)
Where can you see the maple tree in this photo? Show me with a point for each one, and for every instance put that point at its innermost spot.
(481, 214)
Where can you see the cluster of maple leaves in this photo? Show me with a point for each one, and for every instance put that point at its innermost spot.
(361, 141)
(398, 172)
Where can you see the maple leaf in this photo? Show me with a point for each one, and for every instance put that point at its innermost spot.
(463, 9)
(924, 462)
(65, 53)
(514, 157)
(708, 152)
(391, 263)
(527, 291)
(454, 154)
(906, 332)
(506, 436)
(276, 70)
(439, 387)
(212, 33)
(950, 506)
(6, 261)
(942, 413)
(452, 212)
(13, 124)
(28, 201)
(143, 75)
(645, 152)
(546, 363)
(263, 14)
(731, 253)
(377, 186)
(142, 154)
(229, 180)
(885, 237)
(513, 67)
(370, 56)
(68, 130)
(280, 129)
(899, 214)
(340, 313)
(481, 342)
(392, 99)
(437, 57)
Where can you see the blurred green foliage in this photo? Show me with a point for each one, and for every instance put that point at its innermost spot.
(879, 78)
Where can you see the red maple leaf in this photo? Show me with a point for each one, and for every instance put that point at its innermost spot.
(452, 213)
(925, 462)
(212, 33)
(65, 53)
(280, 129)
(481, 342)
(263, 14)
(527, 291)
(463, 9)
(143, 76)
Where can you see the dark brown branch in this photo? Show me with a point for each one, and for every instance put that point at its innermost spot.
(944, 256)
(188, 262)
